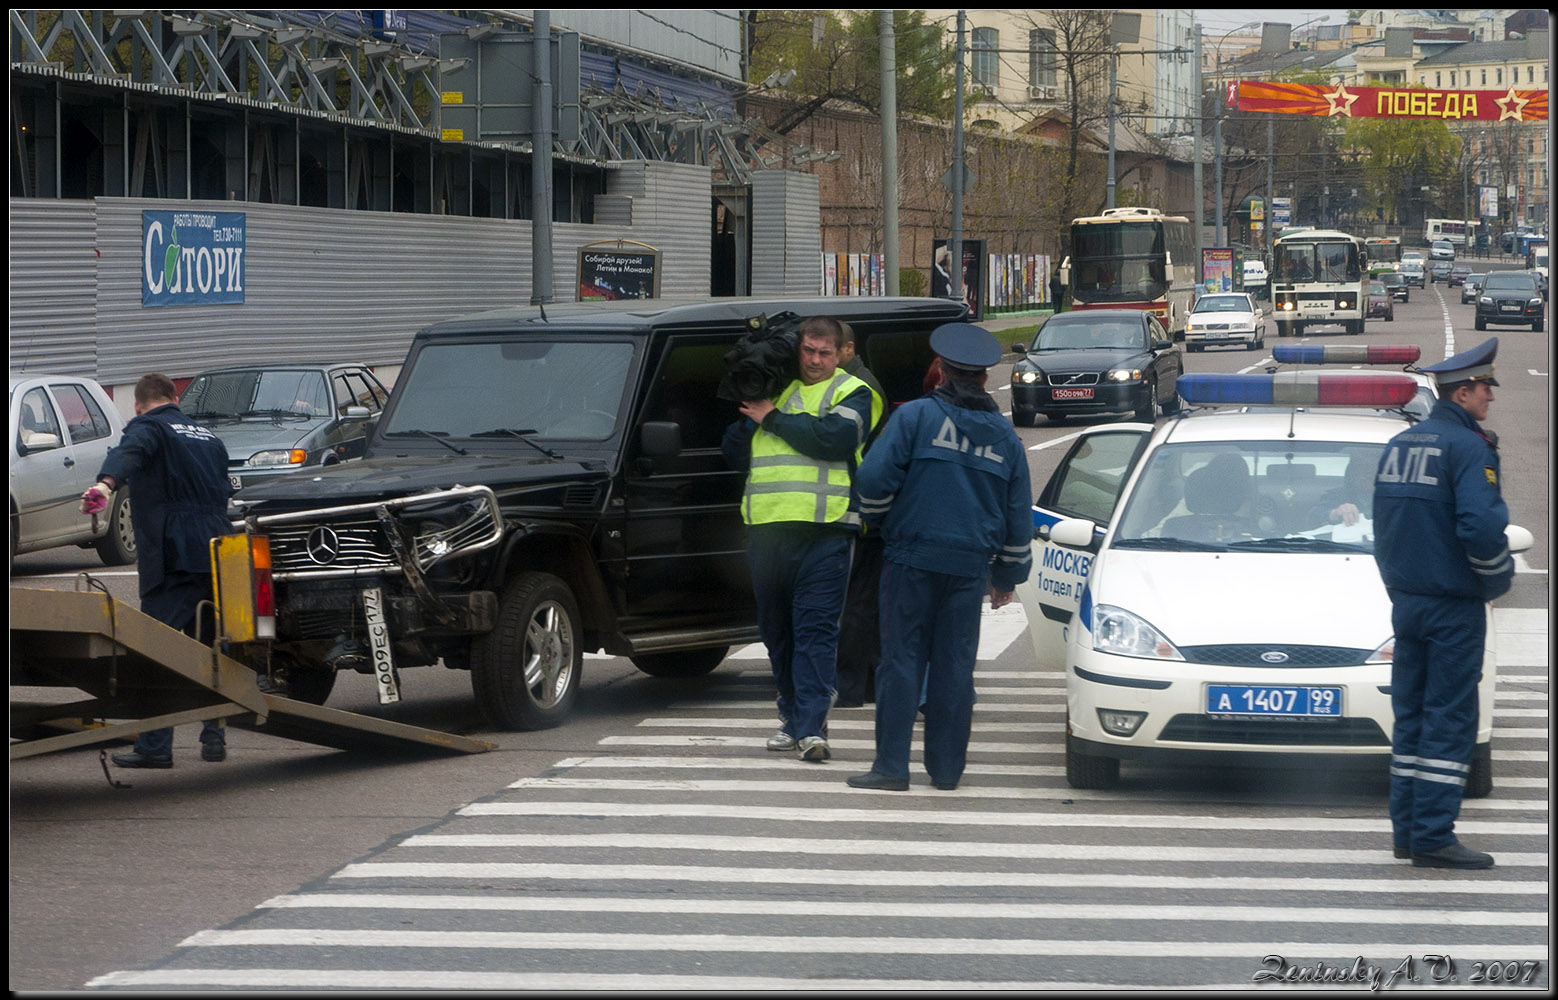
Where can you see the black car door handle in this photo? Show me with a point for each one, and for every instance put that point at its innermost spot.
(69, 461)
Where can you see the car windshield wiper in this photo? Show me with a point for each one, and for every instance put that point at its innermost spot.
(523, 434)
(429, 434)
(1173, 544)
(275, 412)
(1297, 543)
(211, 415)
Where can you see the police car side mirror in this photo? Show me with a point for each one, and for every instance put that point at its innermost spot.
(1519, 538)
(1073, 532)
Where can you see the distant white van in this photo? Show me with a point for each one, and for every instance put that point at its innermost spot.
(1254, 273)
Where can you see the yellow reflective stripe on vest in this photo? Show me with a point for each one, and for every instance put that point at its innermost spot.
(785, 485)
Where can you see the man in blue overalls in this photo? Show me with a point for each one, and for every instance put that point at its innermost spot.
(178, 470)
(947, 482)
(1440, 546)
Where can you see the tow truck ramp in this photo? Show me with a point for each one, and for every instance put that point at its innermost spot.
(142, 674)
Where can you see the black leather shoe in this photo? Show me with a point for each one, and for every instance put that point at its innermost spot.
(276, 685)
(1452, 856)
(878, 782)
(134, 759)
(214, 752)
(1403, 852)
(945, 786)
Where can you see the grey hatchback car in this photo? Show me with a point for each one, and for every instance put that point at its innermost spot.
(277, 420)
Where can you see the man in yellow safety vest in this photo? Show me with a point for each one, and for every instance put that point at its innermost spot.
(801, 449)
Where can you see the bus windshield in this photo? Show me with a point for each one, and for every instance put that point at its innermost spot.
(1121, 262)
(1318, 262)
(1383, 252)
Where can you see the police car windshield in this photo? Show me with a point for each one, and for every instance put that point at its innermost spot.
(1259, 496)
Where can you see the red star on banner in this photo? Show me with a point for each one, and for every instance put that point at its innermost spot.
(1341, 101)
(1510, 105)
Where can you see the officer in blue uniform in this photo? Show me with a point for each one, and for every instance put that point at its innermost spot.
(1440, 546)
(178, 470)
(947, 483)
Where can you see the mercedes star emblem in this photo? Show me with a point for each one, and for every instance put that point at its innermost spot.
(323, 545)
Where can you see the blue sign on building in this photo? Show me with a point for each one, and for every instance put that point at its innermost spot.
(192, 258)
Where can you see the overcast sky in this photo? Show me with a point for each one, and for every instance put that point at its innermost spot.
(1216, 21)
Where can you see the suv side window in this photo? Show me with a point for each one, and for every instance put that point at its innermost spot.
(38, 418)
(684, 393)
(82, 414)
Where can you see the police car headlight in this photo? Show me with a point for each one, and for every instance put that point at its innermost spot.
(1386, 653)
(1117, 631)
(1026, 378)
(1123, 374)
(293, 456)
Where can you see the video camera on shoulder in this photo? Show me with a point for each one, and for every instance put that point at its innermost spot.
(763, 361)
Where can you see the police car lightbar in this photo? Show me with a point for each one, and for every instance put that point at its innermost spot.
(1345, 354)
(1297, 389)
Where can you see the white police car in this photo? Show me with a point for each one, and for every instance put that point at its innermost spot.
(1208, 592)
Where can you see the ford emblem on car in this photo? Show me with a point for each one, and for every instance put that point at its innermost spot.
(1270, 656)
(324, 545)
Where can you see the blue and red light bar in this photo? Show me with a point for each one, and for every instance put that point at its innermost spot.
(1345, 354)
(1297, 389)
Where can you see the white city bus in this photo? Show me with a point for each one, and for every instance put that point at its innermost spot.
(1456, 231)
(1319, 276)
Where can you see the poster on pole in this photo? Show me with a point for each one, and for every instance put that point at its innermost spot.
(1217, 269)
(609, 271)
(973, 274)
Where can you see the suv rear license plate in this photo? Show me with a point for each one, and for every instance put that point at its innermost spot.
(1073, 394)
(1293, 702)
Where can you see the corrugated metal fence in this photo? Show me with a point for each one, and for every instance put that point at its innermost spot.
(321, 284)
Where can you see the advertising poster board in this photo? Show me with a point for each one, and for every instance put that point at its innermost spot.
(973, 274)
(610, 271)
(1217, 269)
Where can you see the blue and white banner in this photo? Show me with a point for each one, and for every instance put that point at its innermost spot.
(192, 258)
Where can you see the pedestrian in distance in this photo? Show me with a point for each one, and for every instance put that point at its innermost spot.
(859, 637)
(178, 470)
(947, 483)
(1442, 553)
(800, 450)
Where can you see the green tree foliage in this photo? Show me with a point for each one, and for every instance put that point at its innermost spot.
(836, 55)
(1401, 156)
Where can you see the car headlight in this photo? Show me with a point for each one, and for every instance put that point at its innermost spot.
(1117, 631)
(1386, 653)
(1535, 302)
(1026, 378)
(286, 456)
(1485, 301)
(1123, 374)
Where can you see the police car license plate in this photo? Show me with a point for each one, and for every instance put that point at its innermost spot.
(1225, 700)
(1073, 393)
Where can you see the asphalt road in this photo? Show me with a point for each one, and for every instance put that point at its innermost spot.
(651, 843)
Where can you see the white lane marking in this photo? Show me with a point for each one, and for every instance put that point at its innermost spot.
(444, 980)
(786, 945)
(936, 849)
(810, 787)
(869, 745)
(888, 817)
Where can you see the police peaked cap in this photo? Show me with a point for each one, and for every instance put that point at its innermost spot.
(1475, 365)
(964, 345)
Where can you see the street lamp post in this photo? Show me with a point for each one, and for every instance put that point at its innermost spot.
(1217, 137)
